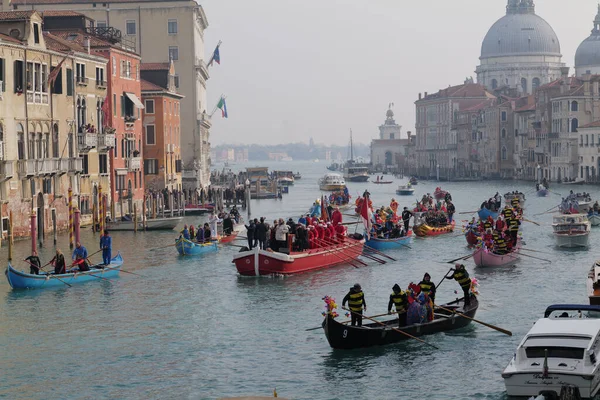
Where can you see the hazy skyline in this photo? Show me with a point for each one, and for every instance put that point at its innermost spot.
(295, 69)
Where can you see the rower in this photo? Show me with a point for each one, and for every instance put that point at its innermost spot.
(59, 262)
(461, 275)
(106, 247)
(428, 287)
(185, 233)
(356, 303)
(80, 255)
(400, 300)
(500, 246)
(34, 263)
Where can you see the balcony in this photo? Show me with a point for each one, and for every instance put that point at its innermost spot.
(6, 170)
(47, 166)
(205, 120)
(63, 166)
(87, 141)
(26, 168)
(100, 84)
(75, 165)
(134, 163)
(81, 80)
(202, 68)
(452, 146)
(37, 97)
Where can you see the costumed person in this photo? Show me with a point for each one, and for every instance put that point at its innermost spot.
(213, 221)
(185, 232)
(356, 302)
(461, 276)
(400, 300)
(192, 232)
(34, 263)
(406, 218)
(59, 263)
(336, 216)
(227, 225)
(394, 206)
(427, 286)
(450, 209)
(106, 247)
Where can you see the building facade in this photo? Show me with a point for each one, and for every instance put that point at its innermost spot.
(161, 122)
(160, 31)
(389, 150)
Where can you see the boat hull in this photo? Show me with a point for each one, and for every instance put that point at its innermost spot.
(572, 241)
(543, 193)
(405, 192)
(426, 230)
(484, 258)
(472, 238)
(22, 280)
(156, 224)
(390, 244)
(584, 206)
(341, 336)
(331, 187)
(383, 183)
(594, 219)
(357, 178)
(188, 248)
(524, 384)
(484, 213)
(258, 262)
(228, 239)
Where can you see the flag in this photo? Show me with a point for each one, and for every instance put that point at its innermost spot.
(223, 107)
(216, 56)
(365, 213)
(54, 73)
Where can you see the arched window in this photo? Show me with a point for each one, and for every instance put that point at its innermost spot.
(524, 84)
(494, 83)
(20, 142)
(55, 141)
(504, 151)
(31, 144)
(574, 125)
(1, 141)
(574, 106)
(535, 83)
(503, 133)
(46, 141)
(39, 145)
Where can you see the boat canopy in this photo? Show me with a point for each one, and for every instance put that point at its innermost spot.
(592, 310)
(570, 219)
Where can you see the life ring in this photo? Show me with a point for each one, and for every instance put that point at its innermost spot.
(266, 262)
(247, 261)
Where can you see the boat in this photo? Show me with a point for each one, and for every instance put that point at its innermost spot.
(560, 349)
(508, 197)
(542, 191)
(336, 166)
(426, 230)
(331, 182)
(346, 337)
(198, 209)
(584, 202)
(413, 181)
(405, 190)
(352, 171)
(593, 284)
(228, 238)
(186, 247)
(484, 213)
(390, 244)
(257, 262)
(440, 194)
(571, 230)
(23, 280)
(284, 178)
(297, 175)
(485, 258)
(472, 237)
(594, 219)
(383, 182)
(152, 224)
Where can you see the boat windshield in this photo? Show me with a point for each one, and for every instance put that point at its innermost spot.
(579, 314)
(555, 352)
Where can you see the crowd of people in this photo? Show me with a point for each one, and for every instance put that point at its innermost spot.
(387, 224)
(570, 204)
(435, 213)
(493, 204)
(498, 236)
(340, 197)
(415, 305)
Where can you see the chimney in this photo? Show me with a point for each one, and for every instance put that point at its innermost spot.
(419, 96)
(564, 76)
(425, 95)
(86, 44)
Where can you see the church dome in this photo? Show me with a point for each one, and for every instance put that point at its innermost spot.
(588, 52)
(520, 32)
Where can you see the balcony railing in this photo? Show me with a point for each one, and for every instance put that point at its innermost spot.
(75, 165)
(106, 141)
(6, 170)
(87, 141)
(100, 84)
(82, 80)
(134, 163)
(47, 166)
(27, 167)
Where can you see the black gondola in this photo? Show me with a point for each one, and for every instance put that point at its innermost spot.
(341, 336)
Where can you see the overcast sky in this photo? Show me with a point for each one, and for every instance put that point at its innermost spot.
(295, 69)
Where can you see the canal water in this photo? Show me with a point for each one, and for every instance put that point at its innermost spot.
(191, 328)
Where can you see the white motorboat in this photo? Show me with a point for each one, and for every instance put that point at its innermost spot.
(152, 224)
(563, 348)
(594, 219)
(571, 230)
(593, 284)
(405, 190)
(331, 182)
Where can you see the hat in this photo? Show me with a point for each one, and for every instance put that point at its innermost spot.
(396, 288)
(356, 286)
(406, 208)
(426, 275)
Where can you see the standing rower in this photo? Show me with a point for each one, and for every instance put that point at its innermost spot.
(400, 300)
(356, 302)
(462, 277)
(106, 247)
(428, 287)
(34, 263)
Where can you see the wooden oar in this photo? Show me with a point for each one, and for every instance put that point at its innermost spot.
(345, 322)
(379, 252)
(533, 222)
(391, 327)
(50, 275)
(469, 212)
(460, 258)
(534, 251)
(351, 223)
(348, 260)
(537, 258)
(359, 252)
(444, 278)
(506, 332)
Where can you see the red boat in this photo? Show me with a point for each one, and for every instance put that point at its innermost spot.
(472, 238)
(440, 194)
(228, 239)
(257, 262)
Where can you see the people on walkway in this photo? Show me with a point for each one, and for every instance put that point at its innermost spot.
(356, 303)
(34, 263)
(106, 247)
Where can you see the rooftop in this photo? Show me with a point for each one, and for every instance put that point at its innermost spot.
(154, 66)
(464, 90)
(15, 15)
(33, 2)
(61, 13)
(151, 87)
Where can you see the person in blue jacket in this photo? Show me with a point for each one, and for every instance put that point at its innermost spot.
(106, 247)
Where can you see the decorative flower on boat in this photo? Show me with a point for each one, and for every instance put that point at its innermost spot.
(475, 286)
(330, 307)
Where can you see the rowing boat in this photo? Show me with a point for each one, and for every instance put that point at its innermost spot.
(22, 280)
(341, 336)
(485, 258)
(484, 213)
(390, 244)
(188, 248)
(427, 230)
(228, 238)
(152, 224)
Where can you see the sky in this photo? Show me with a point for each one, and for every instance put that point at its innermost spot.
(296, 69)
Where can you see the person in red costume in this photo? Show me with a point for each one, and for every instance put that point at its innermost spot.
(341, 232)
(336, 216)
(331, 231)
(320, 231)
(499, 225)
(311, 237)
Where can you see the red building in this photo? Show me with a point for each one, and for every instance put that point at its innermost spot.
(122, 114)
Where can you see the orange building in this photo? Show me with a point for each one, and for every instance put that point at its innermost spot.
(161, 124)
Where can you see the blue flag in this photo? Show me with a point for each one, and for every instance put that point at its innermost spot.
(216, 56)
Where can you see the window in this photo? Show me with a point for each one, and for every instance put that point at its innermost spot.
(574, 125)
(587, 140)
(80, 73)
(122, 106)
(100, 76)
(178, 165)
(172, 27)
(503, 133)
(176, 81)
(69, 82)
(524, 84)
(101, 24)
(130, 27)
(504, 156)
(503, 118)
(151, 167)
(55, 148)
(494, 84)
(3, 74)
(20, 142)
(574, 106)
(115, 105)
(114, 66)
(149, 104)
(555, 352)
(103, 163)
(150, 135)
(36, 33)
(84, 163)
(57, 86)
(535, 83)
(173, 53)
